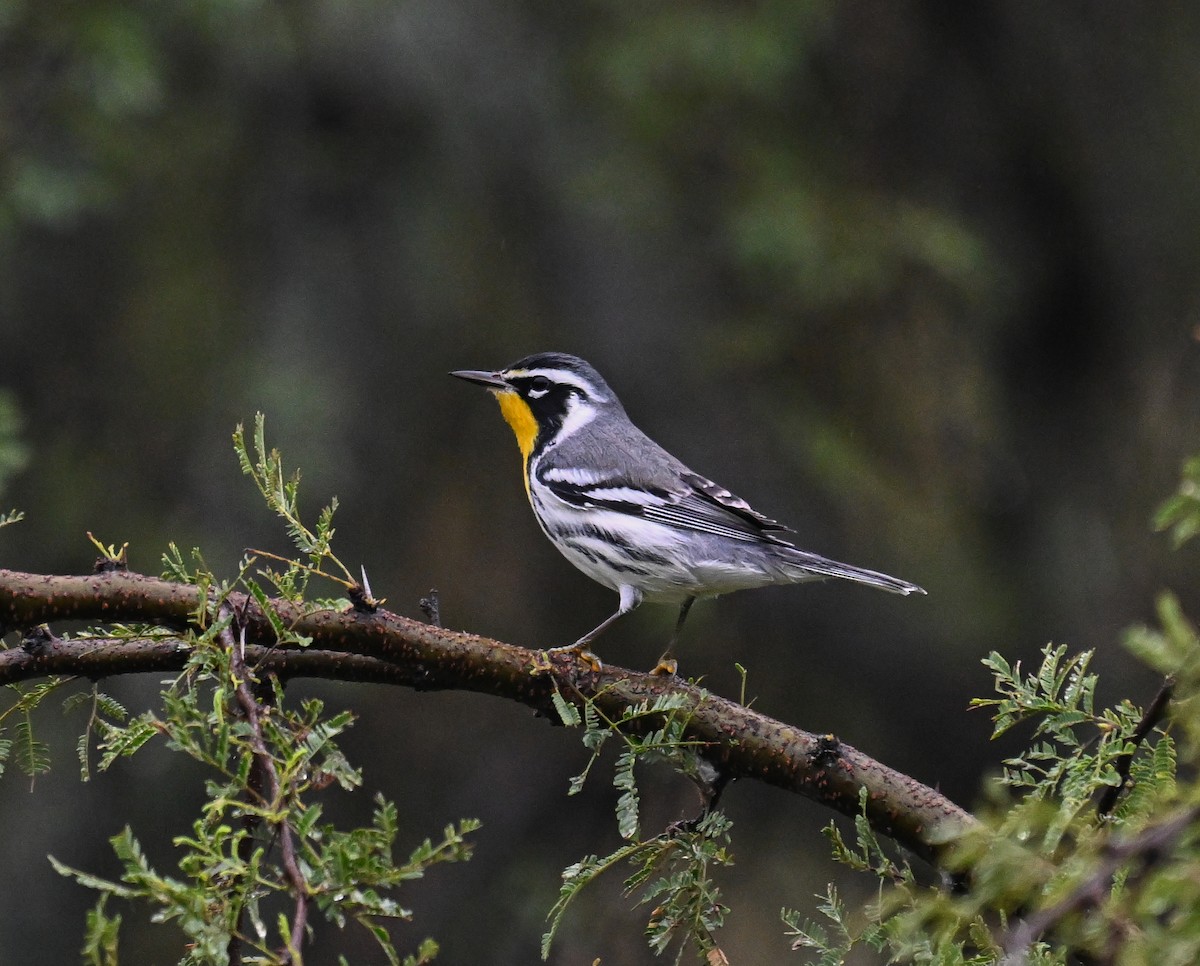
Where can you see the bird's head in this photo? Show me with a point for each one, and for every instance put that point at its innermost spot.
(546, 397)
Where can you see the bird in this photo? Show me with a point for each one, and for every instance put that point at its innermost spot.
(629, 514)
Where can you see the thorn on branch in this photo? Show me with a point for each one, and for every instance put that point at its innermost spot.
(38, 640)
(431, 607)
(827, 753)
(422, 680)
(360, 595)
(361, 599)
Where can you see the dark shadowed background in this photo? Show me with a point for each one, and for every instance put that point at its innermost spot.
(919, 279)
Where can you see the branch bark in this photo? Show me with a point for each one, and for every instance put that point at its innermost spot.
(387, 648)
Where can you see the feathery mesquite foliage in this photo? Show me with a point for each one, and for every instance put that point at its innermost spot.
(1087, 847)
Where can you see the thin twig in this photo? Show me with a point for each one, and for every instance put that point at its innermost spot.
(266, 765)
(1149, 845)
(1150, 719)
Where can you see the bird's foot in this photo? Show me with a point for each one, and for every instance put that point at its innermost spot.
(666, 667)
(582, 652)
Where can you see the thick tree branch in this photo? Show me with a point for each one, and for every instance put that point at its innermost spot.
(388, 648)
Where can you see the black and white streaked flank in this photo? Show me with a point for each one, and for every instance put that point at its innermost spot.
(628, 513)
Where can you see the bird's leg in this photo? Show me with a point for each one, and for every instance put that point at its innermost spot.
(630, 598)
(667, 665)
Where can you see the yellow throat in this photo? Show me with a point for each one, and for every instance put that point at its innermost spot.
(519, 416)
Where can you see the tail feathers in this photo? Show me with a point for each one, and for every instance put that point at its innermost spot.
(808, 566)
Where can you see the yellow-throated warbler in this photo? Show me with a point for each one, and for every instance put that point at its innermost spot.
(628, 513)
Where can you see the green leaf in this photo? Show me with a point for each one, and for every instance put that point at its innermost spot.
(627, 803)
(174, 567)
(1181, 513)
(32, 756)
(110, 707)
(89, 881)
(121, 742)
(264, 603)
(100, 936)
(82, 749)
(426, 953)
(568, 714)
(574, 878)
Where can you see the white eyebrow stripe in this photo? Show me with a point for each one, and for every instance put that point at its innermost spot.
(563, 376)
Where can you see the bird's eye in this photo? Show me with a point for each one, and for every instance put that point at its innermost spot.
(539, 386)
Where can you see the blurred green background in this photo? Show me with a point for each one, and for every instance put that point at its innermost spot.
(917, 278)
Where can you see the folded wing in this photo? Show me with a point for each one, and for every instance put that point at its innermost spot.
(696, 504)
